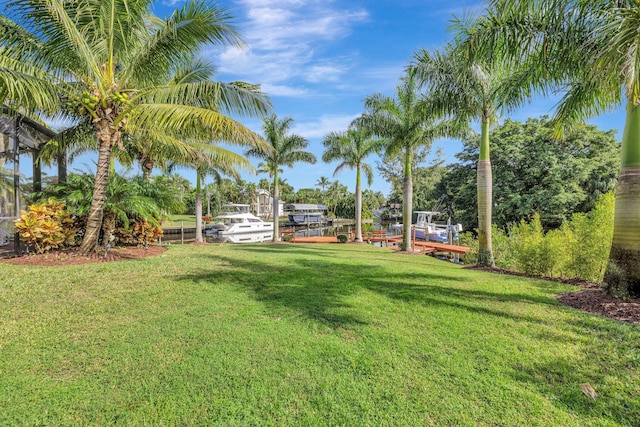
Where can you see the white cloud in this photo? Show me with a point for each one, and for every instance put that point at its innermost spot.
(290, 40)
(172, 2)
(282, 90)
(322, 126)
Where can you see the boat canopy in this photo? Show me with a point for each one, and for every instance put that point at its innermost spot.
(235, 208)
(304, 207)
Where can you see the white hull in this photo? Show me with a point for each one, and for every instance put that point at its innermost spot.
(238, 221)
(244, 228)
(248, 237)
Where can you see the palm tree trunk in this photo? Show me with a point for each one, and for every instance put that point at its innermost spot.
(485, 199)
(358, 207)
(407, 203)
(146, 164)
(4, 194)
(198, 208)
(94, 220)
(276, 207)
(622, 277)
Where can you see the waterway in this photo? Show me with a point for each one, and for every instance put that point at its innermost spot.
(188, 234)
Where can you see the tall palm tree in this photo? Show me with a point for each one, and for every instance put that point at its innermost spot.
(470, 89)
(285, 150)
(588, 49)
(323, 182)
(406, 124)
(351, 148)
(111, 60)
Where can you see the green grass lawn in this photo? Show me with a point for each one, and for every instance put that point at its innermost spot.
(179, 220)
(304, 335)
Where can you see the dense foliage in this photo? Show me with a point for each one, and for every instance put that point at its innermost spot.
(425, 179)
(133, 207)
(534, 173)
(579, 248)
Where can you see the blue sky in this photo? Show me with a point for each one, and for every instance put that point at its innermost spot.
(318, 59)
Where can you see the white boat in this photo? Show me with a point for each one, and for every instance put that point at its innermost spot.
(237, 220)
(426, 229)
(253, 237)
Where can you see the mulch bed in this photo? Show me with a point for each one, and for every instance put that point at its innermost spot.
(590, 298)
(68, 257)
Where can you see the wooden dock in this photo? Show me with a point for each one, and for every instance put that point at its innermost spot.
(443, 247)
(389, 242)
(315, 239)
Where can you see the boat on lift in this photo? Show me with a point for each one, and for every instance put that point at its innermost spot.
(426, 229)
(237, 219)
(305, 214)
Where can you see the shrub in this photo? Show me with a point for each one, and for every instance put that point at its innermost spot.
(287, 237)
(532, 254)
(593, 233)
(578, 249)
(46, 226)
(342, 238)
(139, 232)
(502, 250)
(468, 239)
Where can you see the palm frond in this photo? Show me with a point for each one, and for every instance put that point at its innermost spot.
(196, 23)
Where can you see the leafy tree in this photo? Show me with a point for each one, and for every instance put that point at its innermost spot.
(588, 50)
(351, 148)
(284, 150)
(307, 195)
(111, 60)
(371, 200)
(335, 194)
(406, 124)
(425, 178)
(535, 173)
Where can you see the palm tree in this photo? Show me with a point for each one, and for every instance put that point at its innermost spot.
(323, 183)
(124, 200)
(406, 125)
(352, 148)
(335, 193)
(589, 50)
(471, 89)
(267, 167)
(215, 161)
(285, 150)
(111, 61)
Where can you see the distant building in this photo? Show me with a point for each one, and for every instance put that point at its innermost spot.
(263, 204)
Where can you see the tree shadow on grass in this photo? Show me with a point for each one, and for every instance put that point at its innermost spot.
(319, 288)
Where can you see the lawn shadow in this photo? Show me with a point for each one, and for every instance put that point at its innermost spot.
(319, 288)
